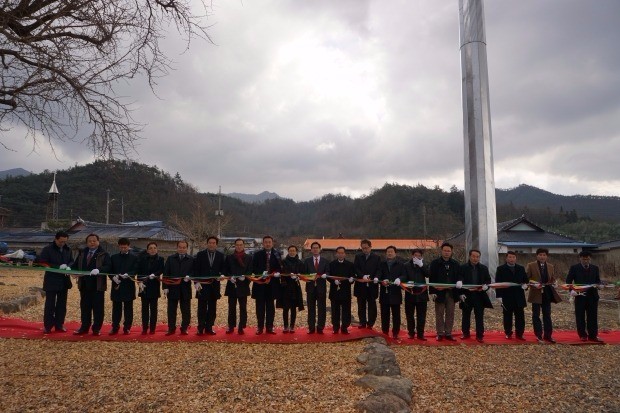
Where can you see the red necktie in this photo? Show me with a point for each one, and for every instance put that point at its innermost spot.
(316, 264)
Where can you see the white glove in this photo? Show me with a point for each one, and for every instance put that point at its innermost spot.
(537, 285)
(375, 280)
(337, 282)
(573, 293)
(433, 296)
(116, 279)
(323, 276)
(233, 280)
(165, 291)
(242, 278)
(500, 300)
(222, 276)
(62, 267)
(366, 277)
(186, 279)
(197, 286)
(141, 286)
(463, 297)
(125, 275)
(276, 274)
(94, 272)
(397, 281)
(151, 276)
(459, 284)
(418, 262)
(265, 274)
(524, 286)
(293, 277)
(351, 280)
(485, 287)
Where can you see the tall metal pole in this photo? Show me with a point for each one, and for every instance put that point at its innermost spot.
(107, 207)
(480, 212)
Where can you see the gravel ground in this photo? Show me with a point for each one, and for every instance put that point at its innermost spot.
(64, 376)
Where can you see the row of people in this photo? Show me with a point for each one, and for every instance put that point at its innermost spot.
(380, 279)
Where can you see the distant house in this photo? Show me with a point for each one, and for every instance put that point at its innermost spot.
(524, 237)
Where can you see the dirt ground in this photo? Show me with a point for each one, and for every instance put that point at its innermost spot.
(40, 375)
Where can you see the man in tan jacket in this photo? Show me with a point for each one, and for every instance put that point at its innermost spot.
(542, 293)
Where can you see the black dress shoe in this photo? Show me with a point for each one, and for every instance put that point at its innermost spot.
(583, 338)
(439, 338)
(311, 331)
(361, 326)
(450, 338)
(479, 339)
(170, 332)
(509, 336)
(113, 332)
(210, 331)
(465, 337)
(386, 332)
(422, 338)
(152, 331)
(145, 331)
(80, 332)
(259, 331)
(183, 331)
(240, 331)
(126, 330)
(549, 340)
(336, 330)
(595, 340)
(394, 335)
(539, 339)
(319, 331)
(96, 333)
(230, 330)
(520, 338)
(345, 331)
(61, 329)
(47, 330)
(411, 336)
(270, 331)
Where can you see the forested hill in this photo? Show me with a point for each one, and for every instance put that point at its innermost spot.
(148, 193)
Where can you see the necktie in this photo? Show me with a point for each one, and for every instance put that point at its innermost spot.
(89, 257)
(267, 266)
(316, 264)
(211, 258)
(181, 256)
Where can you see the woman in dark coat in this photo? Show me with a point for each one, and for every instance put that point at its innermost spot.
(150, 268)
(289, 296)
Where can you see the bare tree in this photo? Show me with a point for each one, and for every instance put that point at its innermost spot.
(61, 61)
(199, 225)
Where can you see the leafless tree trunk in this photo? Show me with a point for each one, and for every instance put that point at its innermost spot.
(61, 61)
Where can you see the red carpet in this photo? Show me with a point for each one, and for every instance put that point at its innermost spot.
(17, 328)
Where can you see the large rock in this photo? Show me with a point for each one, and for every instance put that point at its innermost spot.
(398, 386)
(18, 304)
(382, 403)
(379, 360)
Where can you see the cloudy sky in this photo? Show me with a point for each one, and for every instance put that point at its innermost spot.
(305, 98)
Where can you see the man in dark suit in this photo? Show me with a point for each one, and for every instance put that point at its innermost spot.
(586, 302)
(416, 301)
(56, 286)
(93, 286)
(238, 266)
(475, 273)
(316, 291)
(445, 270)
(512, 299)
(390, 293)
(123, 291)
(366, 265)
(542, 294)
(266, 262)
(208, 263)
(340, 291)
(178, 269)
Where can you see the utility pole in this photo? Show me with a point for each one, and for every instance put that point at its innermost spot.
(107, 206)
(219, 213)
(122, 209)
(424, 220)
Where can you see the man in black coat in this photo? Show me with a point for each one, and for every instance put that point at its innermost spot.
(266, 262)
(56, 286)
(238, 266)
(445, 270)
(208, 263)
(512, 299)
(416, 301)
(390, 292)
(123, 291)
(340, 291)
(316, 291)
(586, 303)
(93, 286)
(366, 265)
(178, 269)
(475, 273)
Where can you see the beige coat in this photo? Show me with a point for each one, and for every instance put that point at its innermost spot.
(533, 273)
